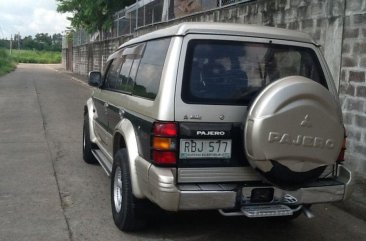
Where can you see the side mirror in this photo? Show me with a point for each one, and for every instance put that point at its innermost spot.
(95, 79)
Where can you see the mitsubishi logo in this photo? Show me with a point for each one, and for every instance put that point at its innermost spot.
(306, 122)
(289, 199)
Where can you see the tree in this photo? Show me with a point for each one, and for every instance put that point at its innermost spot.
(92, 15)
(41, 41)
(28, 43)
(44, 41)
(17, 39)
(56, 42)
(4, 43)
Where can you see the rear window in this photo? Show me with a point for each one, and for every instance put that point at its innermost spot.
(233, 72)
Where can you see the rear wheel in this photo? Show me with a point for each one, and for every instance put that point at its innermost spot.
(87, 144)
(128, 211)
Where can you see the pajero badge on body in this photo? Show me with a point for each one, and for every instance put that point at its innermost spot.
(210, 133)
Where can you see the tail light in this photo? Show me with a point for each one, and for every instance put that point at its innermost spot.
(168, 129)
(343, 149)
(164, 143)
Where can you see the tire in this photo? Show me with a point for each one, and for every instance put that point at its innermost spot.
(87, 144)
(129, 213)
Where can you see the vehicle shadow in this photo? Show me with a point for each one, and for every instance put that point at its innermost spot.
(210, 225)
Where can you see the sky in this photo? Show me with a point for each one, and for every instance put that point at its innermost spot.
(29, 17)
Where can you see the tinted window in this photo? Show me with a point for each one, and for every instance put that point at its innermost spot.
(112, 79)
(105, 68)
(133, 72)
(125, 73)
(151, 66)
(130, 60)
(232, 72)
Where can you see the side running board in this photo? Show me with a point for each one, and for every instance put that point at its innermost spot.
(102, 160)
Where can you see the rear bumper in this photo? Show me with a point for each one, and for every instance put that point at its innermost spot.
(169, 196)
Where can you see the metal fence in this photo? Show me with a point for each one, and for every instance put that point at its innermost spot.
(148, 12)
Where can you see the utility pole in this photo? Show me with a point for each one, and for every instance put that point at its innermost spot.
(11, 42)
(18, 40)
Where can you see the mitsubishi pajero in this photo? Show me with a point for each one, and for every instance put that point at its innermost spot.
(237, 118)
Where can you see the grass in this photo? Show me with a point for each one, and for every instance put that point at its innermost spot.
(39, 57)
(7, 63)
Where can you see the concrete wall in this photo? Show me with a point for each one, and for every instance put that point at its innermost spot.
(353, 85)
(64, 58)
(322, 19)
(338, 25)
(92, 56)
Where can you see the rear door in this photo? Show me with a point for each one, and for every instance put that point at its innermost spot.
(131, 57)
(210, 144)
(218, 78)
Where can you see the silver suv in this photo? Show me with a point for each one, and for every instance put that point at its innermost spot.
(241, 119)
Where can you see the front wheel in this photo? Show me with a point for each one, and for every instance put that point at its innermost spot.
(128, 211)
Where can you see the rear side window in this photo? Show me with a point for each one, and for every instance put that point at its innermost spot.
(233, 72)
(125, 73)
(133, 72)
(151, 66)
(112, 79)
(130, 57)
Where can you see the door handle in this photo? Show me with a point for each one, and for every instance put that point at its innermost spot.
(121, 113)
(106, 107)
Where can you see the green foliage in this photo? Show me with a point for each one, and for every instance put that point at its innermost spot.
(41, 41)
(70, 36)
(40, 57)
(4, 43)
(7, 64)
(92, 15)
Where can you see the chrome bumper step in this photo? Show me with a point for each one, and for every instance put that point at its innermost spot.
(261, 211)
(266, 211)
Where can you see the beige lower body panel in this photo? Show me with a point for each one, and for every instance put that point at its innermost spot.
(200, 200)
(160, 187)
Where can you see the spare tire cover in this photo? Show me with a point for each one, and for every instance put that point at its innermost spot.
(293, 131)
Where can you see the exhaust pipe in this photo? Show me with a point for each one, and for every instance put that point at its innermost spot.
(307, 212)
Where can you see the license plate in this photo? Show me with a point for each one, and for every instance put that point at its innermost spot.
(195, 148)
